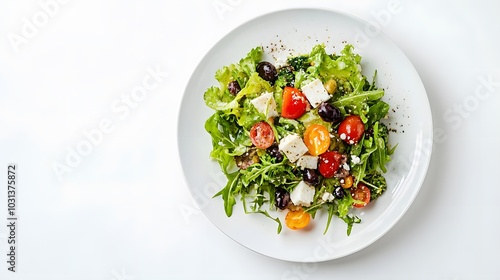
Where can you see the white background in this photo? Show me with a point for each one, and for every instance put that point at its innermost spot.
(123, 210)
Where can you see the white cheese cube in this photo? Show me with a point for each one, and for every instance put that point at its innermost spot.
(327, 197)
(265, 104)
(315, 92)
(308, 161)
(293, 147)
(302, 194)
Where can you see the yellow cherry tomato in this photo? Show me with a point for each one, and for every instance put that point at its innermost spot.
(347, 182)
(297, 219)
(317, 139)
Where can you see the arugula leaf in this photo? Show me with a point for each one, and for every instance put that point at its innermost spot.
(350, 221)
(331, 211)
(377, 111)
(270, 172)
(229, 192)
(355, 98)
(376, 183)
(359, 170)
(379, 158)
(341, 208)
(265, 213)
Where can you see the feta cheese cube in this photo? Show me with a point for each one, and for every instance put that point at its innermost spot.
(265, 104)
(315, 92)
(302, 194)
(308, 161)
(293, 147)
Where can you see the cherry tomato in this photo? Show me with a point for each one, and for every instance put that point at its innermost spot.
(351, 129)
(347, 182)
(297, 219)
(262, 135)
(329, 163)
(361, 192)
(317, 139)
(294, 103)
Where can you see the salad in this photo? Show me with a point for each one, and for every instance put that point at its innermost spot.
(299, 137)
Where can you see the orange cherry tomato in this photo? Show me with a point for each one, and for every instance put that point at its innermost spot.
(297, 219)
(347, 182)
(361, 192)
(317, 139)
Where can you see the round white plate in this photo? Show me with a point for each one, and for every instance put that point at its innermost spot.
(293, 32)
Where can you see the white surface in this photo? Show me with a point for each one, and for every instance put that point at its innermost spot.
(124, 212)
(410, 116)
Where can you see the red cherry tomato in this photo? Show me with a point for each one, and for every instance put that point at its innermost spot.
(294, 103)
(351, 129)
(317, 139)
(262, 135)
(329, 163)
(362, 193)
(297, 219)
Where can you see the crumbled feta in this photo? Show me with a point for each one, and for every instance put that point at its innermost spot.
(328, 197)
(346, 166)
(315, 92)
(308, 161)
(293, 147)
(355, 159)
(302, 194)
(280, 60)
(265, 104)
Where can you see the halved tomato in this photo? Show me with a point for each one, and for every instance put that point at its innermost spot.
(262, 135)
(362, 193)
(317, 139)
(297, 219)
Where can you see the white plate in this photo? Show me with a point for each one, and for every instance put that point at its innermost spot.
(297, 31)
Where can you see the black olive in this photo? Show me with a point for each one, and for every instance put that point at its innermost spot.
(310, 176)
(329, 113)
(267, 71)
(274, 151)
(282, 198)
(338, 192)
(234, 87)
(369, 132)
